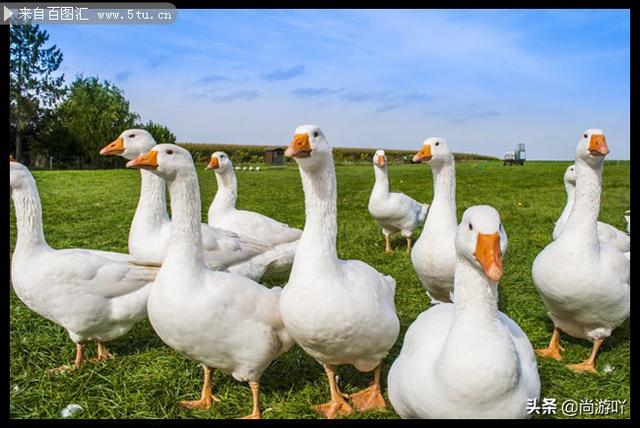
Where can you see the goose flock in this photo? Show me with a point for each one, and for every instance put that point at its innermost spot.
(198, 283)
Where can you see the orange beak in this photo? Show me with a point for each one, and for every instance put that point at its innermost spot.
(598, 145)
(423, 154)
(299, 147)
(11, 158)
(488, 254)
(213, 163)
(114, 148)
(147, 160)
(381, 160)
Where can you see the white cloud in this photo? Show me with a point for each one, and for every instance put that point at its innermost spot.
(369, 78)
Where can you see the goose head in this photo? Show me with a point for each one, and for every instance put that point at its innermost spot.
(592, 147)
(379, 159)
(481, 239)
(165, 160)
(19, 176)
(220, 162)
(435, 151)
(309, 146)
(570, 175)
(130, 144)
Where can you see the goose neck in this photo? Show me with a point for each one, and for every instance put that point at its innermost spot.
(475, 296)
(570, 189)
(582, 221)
(443, 207)
(152, 205)
(381, 184)
(227, 192)
(320, 229)
(28, 209)
(185, 246)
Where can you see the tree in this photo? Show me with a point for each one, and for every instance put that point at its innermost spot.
(33, 88)
(160, 133)
(92, 115)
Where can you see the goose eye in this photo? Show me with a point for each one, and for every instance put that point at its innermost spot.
(169, 152)
(470, 226)
(586, 136)
(131, 135)
(315, 134)
(437, 143)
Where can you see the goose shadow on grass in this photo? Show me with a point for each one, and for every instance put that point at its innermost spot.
(140, 338)
(302, 370)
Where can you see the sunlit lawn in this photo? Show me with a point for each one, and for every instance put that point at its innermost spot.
(93, 209)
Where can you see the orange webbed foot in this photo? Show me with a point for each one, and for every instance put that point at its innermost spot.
(583, 367)
(333, 409)
(550, 353)
(368, 399)
(201, 404)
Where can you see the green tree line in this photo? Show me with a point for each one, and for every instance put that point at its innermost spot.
(50, 118)
(240, 154)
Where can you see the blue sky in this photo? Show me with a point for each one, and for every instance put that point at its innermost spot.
(483, 79)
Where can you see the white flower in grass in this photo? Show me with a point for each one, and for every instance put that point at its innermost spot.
(70, 410)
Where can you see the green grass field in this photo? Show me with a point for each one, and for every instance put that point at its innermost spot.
(93, 209)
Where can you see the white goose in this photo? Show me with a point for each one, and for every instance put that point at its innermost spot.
(394, 212)
(434, 254)
(222, 320)
(584, 283)
(224, 214)
(94, 295)
(338, 311)
(150, 231)
(606, 232)
(467, 359)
